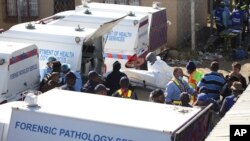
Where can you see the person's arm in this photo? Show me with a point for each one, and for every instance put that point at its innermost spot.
(190, 90)
(223, 108)
(243, 82)
(201, 83)
(115, 94)
(169, 93)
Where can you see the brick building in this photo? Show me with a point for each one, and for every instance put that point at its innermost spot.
(178, 12)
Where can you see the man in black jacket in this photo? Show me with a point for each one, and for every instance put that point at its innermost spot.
(113, 78)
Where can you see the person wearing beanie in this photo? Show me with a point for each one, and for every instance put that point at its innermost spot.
(113, 78)
(125, 91)
(194, 75)
(65, 68)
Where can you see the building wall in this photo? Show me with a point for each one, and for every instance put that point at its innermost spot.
(2, 16)
(46, 8)
(184, 20)
(172, 26)
(178, 13)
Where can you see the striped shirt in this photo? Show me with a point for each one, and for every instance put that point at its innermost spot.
(214, 83)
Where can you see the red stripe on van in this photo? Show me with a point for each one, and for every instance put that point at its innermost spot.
(143, 23)
(23, 56)
(119, 56)
(110, 55)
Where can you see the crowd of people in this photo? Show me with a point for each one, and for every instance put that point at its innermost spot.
(237, 18)
(202, 89)
(198, 89)
(57, 75)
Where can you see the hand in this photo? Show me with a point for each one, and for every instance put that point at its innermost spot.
(195, 93)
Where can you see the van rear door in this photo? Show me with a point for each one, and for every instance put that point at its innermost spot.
(23, 72)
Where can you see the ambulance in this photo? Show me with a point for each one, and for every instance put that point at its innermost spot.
(72, 45)
(126, 41)
(90, 117)
(157, 20)
(19, 69)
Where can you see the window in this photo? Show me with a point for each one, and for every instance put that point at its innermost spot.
(125, 2)
(62, 5)
(24, 9)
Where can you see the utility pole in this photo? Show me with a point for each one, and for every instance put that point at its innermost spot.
(193, 24)
(19, 10)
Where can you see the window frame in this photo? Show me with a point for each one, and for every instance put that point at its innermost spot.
(62, 3)
(28, 17)
(118, 2)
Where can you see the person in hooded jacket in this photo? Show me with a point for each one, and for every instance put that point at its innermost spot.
(113, 78)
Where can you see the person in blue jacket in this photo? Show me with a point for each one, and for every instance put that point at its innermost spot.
(65, 69)
(221, 17)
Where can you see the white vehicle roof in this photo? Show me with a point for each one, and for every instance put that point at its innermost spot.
(8, 48)
(118, 7)
(49, 33)
(111, 110)
(5, 110)
(97, 17)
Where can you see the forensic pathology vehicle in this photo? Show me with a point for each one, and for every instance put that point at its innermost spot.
(72, 45)
(127, 40)
(90, 117)
(157, 19)
(19, 69)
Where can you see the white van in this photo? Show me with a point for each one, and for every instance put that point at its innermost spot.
(91, 117)
(71, 45)
(19, 69)
(128, 38)
(157, 20)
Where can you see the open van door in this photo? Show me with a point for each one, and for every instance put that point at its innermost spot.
(96, 40)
